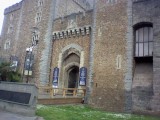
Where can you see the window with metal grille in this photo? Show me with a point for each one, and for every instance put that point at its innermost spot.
(7, 45)
(144, 41)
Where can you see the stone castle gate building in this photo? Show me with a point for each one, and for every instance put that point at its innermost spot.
(108, 47)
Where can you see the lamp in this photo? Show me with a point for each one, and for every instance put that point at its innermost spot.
(29, 56)
(28, 63)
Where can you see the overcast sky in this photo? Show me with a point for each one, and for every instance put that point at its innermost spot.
(4, 4)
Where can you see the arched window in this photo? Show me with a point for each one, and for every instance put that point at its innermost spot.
(38, 17)
(40, 3)
(144, 40)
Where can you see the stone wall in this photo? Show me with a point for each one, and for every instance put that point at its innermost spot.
(110, 55)
(104, 40)
(68, 7)
(22, 18)
(147, 11)
(74, 36)
(8, 33)
(23, 21)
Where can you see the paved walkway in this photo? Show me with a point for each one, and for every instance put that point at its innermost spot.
(11, 116)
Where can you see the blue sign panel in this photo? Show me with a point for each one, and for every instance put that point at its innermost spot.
(55, 76)
(82, 76)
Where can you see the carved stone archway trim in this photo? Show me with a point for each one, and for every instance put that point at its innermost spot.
(77, 48)
(67, 69)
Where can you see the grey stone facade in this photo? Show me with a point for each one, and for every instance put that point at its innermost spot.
(102, 40)
(147, 11)
(129, 65)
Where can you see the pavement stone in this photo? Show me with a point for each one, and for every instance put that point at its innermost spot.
(12, 116)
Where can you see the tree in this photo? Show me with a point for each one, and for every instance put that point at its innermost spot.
(7, 74)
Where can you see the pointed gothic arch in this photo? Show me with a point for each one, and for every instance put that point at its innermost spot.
(70, 60)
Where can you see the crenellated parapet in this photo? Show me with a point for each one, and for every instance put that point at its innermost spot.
(82, 31)
(12, 8)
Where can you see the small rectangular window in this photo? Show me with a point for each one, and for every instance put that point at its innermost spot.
(10, 29)
(40, 2)
(7, 45)
(38, 17)
(118, 61)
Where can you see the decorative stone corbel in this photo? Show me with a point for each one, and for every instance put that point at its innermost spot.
(82, 31)
(57, 35)
(65, 34)
(61, 35)
(78, 31)
(87, 30)
(73, 32)
(69, 33)
(54, 36)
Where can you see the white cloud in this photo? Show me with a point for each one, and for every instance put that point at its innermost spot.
(4, 4)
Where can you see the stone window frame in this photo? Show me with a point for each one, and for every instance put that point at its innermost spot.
(140, 40)
(10, 29)
(119, 62)
(40, 3)
(11, 16)
(38, 17)
(7, 45)
(35, 39)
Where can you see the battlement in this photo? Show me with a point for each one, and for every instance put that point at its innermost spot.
(83, 4)
(12, 8)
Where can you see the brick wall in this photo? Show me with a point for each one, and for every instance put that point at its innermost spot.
(79, 42)
(107, 52)
(110, 55)
(24, 15)
(68, 7)
(10, 22)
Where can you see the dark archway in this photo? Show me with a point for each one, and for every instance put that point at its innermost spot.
(73, 75)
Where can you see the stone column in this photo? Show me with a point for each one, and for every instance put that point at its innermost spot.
(129, 66)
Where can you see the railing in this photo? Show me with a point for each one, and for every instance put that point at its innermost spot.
(61, 92)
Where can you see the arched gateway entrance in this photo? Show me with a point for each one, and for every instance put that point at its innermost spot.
(73, 75)
(70, 67)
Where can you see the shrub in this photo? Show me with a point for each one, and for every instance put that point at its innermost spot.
(7, 73)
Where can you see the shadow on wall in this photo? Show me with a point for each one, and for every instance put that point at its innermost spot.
(142, 88)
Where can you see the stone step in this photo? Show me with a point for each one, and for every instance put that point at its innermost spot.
(56, 101)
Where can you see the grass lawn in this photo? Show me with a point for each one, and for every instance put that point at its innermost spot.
(81, 112)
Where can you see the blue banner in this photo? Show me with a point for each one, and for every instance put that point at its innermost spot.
(83, 76)
(55, 76)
